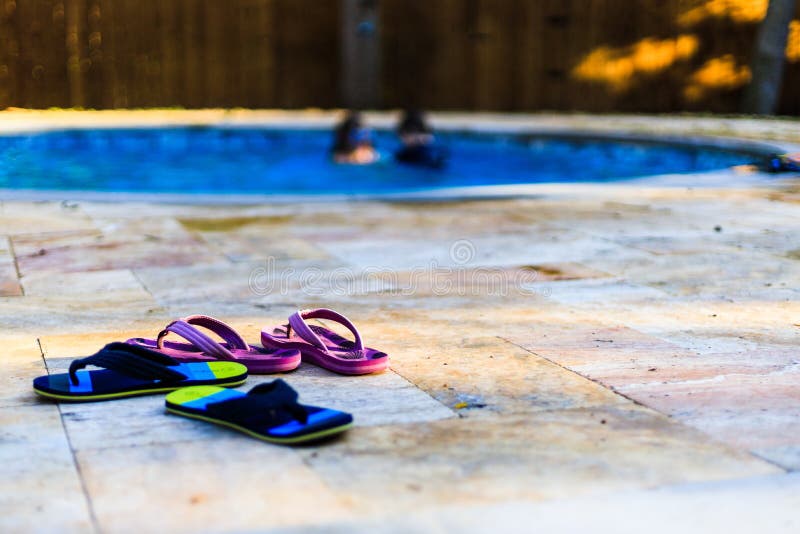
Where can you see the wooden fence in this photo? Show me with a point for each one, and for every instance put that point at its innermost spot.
(593, 55)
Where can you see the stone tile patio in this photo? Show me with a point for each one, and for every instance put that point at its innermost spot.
(619, 357)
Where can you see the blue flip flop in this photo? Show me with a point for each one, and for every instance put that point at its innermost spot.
(269, 412)
(129, 370)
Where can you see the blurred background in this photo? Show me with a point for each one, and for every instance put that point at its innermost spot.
(500, 55)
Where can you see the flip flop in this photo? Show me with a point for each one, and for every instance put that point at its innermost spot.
(268, 412)
(201, 348)
(128, 371)
(325, 347)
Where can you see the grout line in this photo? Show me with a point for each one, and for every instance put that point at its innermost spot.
(421, 390)
(615, 391)
(16, 264)
(141, 283)
(75, 463)
(786, 470)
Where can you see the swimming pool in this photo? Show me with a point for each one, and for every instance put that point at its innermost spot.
(268, 161)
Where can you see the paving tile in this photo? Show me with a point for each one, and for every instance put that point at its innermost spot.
(154, 229)
(77, 312)
(552, 454)
(110, 255)
(256, 238)
(133, 211)
(60, 348)
(760, 214)
(134, 422)
(779, 428)
(777, 242)
(647, 367)
(39, 483)
(318, 222)
(465, 250)
(700, 325)
(729, 275)
(663, 245)
(715, 326)
(113, 244)
(221, 486)
(679, 219)
(9, 283)
(580, 341)
(22, 362)
(20, 218)
(201, 282)
(6, 256)
(219, 289)
(750, 411)
(691, 508)
(264, 288)
(599, 292)
(106, 283)
(476, 281)
(38, 244)
(628, 218)
(238, 247)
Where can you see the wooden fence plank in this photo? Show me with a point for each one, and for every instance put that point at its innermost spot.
(307, 53)
(77, 66)
(495, 54)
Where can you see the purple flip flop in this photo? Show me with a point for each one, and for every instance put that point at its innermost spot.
(201, 348)
(325, 347)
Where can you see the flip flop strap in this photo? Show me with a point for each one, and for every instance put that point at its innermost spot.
(298, 324)
(134, 362)
(183, 327)
(261, 405)
(231, 336)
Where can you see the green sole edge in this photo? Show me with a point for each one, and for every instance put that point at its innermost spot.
(125, 394)
(281, 441)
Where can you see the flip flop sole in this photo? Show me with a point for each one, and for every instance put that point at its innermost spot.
(258, 361)
(130, 393)
(305, 438)
(353, 367)
(265, 367)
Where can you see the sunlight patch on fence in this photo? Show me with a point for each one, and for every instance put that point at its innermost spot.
(793, 43)
(618, 67)
(719, 73)
(741, 11)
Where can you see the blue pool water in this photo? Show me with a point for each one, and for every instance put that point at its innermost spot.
(266, 161)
